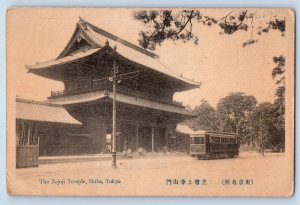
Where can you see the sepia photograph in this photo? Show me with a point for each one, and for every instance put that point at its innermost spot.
(150, 101)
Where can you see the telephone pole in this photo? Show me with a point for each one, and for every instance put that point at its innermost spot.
(114, 151)
(262, 137)
(116, 79)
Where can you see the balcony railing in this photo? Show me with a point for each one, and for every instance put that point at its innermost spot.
(124, 90)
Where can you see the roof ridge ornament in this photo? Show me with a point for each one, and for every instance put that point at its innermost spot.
(107, 42)
(83, 23)
(79, 38)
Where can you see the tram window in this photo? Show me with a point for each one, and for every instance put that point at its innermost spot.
(198, 140)
(215, 139)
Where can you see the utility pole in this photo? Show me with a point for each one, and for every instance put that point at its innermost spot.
(116, 79)
(114, 151)
(262, 137)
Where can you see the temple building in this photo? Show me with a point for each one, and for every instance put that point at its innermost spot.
(147, 115)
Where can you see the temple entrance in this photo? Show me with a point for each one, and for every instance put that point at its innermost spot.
(159, 139)
(126, 138)
(133, 135)
(145, 140)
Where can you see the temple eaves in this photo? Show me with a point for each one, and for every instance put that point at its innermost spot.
(88, 39)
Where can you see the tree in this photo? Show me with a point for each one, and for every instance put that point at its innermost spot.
(263, 126)
(278, 73)
(233, 112)
(206, 117)
(161, 25)
(279, 103)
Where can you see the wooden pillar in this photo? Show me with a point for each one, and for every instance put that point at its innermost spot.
(137, 136)
(152, 136)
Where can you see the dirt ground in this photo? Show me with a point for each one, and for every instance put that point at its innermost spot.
(249, 174)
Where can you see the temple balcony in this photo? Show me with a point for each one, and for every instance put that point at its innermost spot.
(120, 89)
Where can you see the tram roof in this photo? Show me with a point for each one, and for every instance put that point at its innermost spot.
(185, 129)
(221, 134)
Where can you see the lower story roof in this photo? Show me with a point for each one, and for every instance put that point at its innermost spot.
(185, 129)
(98, 95)
(43, 112)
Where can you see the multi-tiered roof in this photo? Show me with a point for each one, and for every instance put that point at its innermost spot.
(88, 40)
(87, 60)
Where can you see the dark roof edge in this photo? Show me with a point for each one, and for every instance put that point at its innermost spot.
(37, 102)
(225, 133)
(72, 39)
(118, 39)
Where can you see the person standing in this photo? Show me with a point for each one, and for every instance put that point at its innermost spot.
(165, 150)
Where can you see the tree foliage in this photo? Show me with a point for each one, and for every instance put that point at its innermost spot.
(161, 25)
(278, 74)
(206, 117)
(263, 126)
(234, 109)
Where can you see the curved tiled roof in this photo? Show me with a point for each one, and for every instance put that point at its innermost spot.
(43, 112)
(96, 37)
(98, 95)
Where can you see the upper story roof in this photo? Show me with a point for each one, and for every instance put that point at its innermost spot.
(88, 40)
(94, 35)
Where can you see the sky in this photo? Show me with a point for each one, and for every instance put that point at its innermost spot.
(219, 62)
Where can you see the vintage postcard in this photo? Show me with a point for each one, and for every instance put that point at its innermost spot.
(150, 102)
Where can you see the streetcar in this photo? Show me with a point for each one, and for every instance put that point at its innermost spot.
(214, 145)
